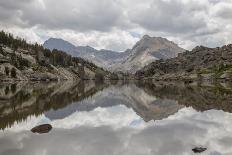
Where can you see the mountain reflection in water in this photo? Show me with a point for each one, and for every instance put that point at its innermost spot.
(123, 118)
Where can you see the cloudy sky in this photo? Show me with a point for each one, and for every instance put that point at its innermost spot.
(118, 24)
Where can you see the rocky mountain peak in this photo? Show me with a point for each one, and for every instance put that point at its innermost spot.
(199, 48)
(57, 43)
(150, 49)
(154, 44)
(151, 42)
(146, 37)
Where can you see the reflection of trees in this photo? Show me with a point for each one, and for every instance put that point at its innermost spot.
(19, 101)
(37, 98)
(199, 97)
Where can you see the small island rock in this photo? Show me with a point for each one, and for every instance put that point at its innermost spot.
(44, 128)
(198, 149)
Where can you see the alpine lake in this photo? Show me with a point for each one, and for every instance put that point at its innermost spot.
(115, 118)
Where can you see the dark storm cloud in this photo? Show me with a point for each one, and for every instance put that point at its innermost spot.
(171, 16)
(70, 14)
(11, 12)
(167, 16)
(14, 4)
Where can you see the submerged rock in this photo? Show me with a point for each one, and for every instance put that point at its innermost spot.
(44, 128)
(199, 149)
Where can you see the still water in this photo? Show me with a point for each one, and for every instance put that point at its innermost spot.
(89, 118)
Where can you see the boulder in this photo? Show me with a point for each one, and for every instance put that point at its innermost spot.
(28, 58)
(3, 59)
(199, 149)
(44, 128)
(45, 76)
(207, 76)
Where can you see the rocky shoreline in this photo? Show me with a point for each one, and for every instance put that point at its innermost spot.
(188, 78)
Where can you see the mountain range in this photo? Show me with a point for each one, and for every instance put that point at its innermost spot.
(145, 51)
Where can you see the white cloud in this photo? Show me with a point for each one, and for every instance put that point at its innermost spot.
(116, 39)
(109, 23)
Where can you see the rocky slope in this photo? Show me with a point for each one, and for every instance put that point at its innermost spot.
(200, 63)
(147, 50)
(20, 61)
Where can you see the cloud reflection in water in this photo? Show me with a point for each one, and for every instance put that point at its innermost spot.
(120, 129)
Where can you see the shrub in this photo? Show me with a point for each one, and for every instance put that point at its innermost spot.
(7, 90)
(13, 73)
(13, 88)
(114, 76)
(7, 71)
(23, 63)
(35, 67)
(99, 75)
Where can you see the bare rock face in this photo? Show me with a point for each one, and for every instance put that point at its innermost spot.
(45, 76)
(44, 128)
(150, 49)
(3, 59)
(6, 75)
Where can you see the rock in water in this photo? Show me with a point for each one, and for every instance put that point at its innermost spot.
(198, 149)
(44, 128)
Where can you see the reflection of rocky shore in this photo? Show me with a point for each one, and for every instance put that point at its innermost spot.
(149, 101)
(18, 101)
(200, 98)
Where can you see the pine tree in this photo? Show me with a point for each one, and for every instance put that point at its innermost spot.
(13, 73)
(7, 71)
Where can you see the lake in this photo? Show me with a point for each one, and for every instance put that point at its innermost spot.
(118, 118)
